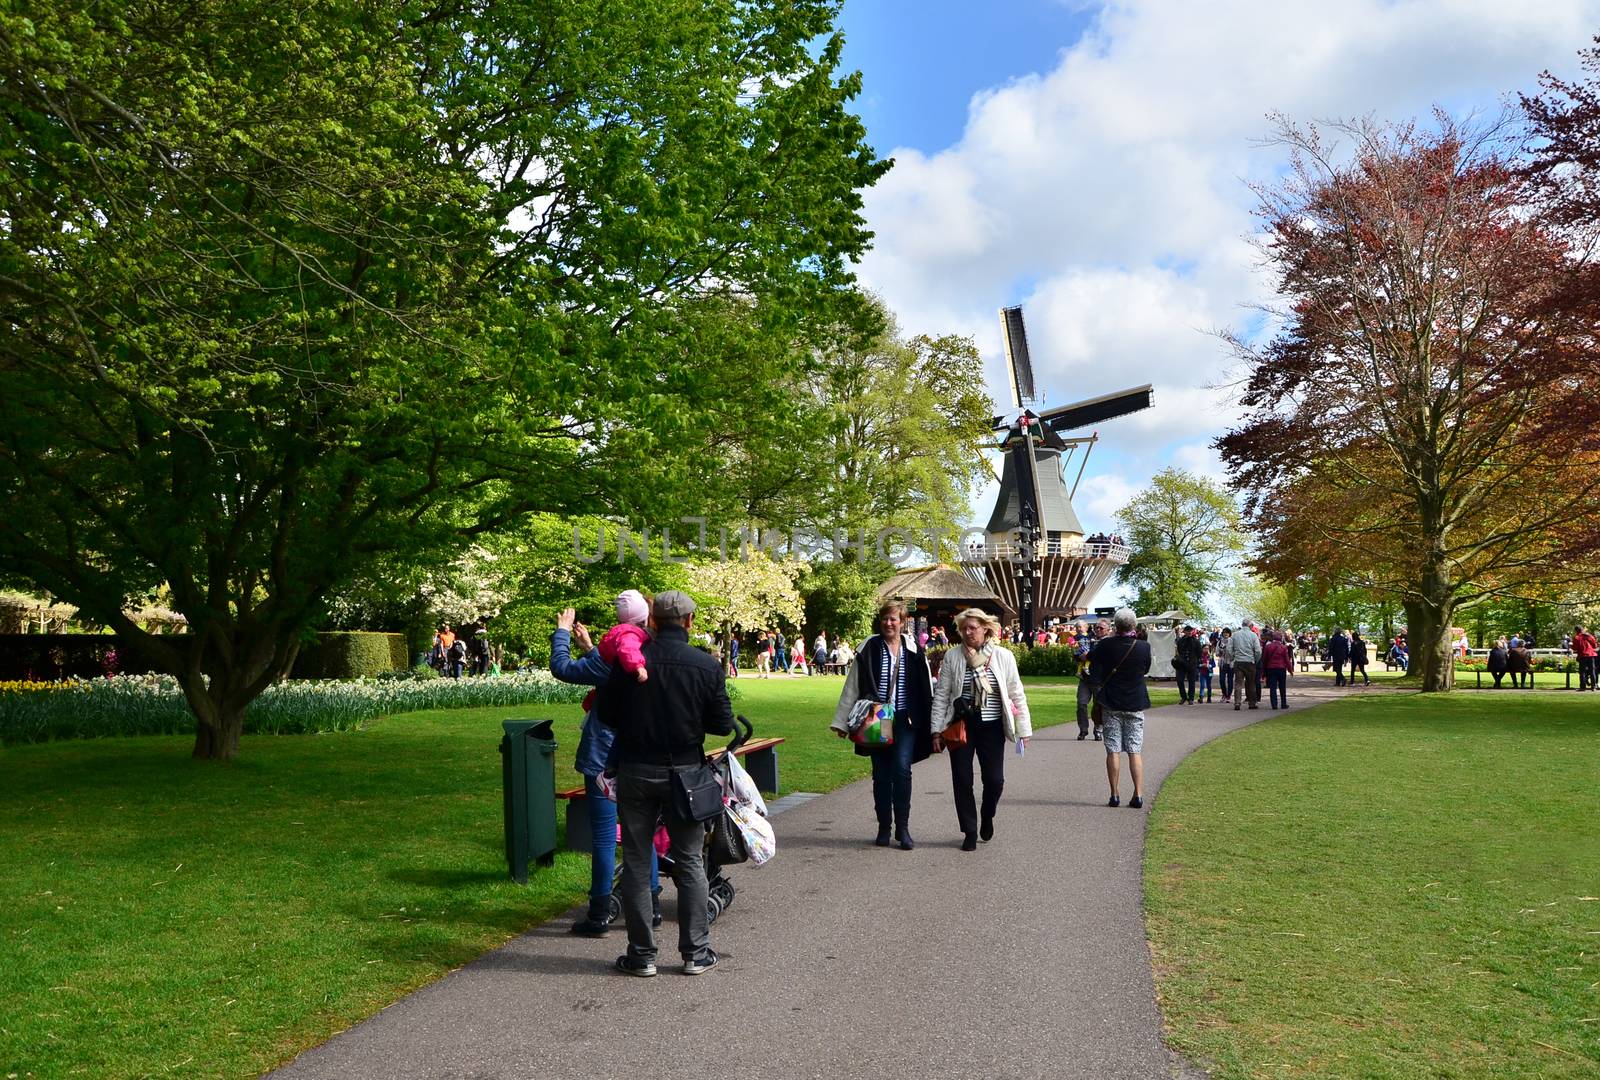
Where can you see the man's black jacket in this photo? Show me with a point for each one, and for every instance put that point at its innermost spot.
(1339, 648)
(1188, 651)
(666, 719)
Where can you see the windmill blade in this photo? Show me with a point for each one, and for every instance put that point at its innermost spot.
(1094, 410)
(1019, 364)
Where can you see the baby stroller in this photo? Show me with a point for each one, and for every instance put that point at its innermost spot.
(719, 889)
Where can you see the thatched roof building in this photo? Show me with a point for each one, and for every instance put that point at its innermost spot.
(938, 593)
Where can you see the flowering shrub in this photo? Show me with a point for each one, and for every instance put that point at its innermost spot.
(154, 704)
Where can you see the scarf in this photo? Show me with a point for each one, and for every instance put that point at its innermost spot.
(977, 661)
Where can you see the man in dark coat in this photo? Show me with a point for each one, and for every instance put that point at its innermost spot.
(661, 727)
(1339, 653)
(1186, 661)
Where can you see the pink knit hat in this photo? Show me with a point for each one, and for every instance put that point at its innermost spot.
(631, 607)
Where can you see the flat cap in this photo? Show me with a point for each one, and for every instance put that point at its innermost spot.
(672, 604)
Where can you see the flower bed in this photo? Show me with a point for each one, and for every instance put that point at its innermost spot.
(154, 705)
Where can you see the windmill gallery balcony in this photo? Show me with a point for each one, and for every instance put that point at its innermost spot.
(1071, 571)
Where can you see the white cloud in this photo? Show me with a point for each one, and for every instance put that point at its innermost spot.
(1108, 195)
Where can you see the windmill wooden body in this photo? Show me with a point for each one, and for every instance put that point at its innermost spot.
(1035, 558)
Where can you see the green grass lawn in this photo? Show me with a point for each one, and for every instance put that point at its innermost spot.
(162, 915)
(1392, 887)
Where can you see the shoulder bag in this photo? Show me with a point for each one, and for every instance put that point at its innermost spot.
(697, 792)
(1096, 710)
(871, 723)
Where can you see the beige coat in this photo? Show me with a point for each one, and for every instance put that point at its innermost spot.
(1013, 702)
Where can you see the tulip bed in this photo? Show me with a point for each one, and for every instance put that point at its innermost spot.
(154, 705)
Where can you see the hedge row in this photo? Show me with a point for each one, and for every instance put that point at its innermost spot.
(58, 657)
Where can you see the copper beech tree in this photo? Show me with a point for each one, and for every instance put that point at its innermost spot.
(1422, 422)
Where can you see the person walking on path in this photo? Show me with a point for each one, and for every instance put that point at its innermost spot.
(983, 672)
(1207, 666)
(1124, 661)
(1225, 664)
(1245, 649)
(1587, 650)
(891, 669)
(733, 655)
(1338, 652)
(1277, 661)
(1086, 689)
(1497, 661)
(1358, 658)
(1186, 660)
(661, 728)
(1519, 663)
(594, 748)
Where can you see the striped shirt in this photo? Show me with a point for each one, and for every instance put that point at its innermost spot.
(881, 679)
(991, 704)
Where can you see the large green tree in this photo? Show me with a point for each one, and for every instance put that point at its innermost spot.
(1184, 532)
(290, 288)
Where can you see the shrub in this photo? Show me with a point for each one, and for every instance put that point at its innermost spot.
(352, 654)
(153, 704)
(1045, 660)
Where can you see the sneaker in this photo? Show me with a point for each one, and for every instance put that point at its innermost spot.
(700, 965)
(629, 966)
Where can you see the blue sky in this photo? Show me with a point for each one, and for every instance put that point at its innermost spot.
(1090, 161)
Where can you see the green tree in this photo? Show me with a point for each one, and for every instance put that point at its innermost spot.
(1184, 534)
(840, 598)
(291, 289)
(906, 420)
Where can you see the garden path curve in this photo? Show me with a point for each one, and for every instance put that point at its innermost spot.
(1026, 958)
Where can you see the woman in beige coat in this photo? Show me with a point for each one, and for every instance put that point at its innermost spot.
(979, 676)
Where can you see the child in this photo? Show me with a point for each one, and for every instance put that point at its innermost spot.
(623, 641)
(1206, 665)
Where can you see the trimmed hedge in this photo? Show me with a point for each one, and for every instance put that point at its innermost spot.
(354, 654)
(1058, 660)
(54, 657)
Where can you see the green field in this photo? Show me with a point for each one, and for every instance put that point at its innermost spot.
(1394, 887)
(164, 915)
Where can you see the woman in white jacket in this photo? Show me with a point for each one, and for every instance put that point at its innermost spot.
(981, 674)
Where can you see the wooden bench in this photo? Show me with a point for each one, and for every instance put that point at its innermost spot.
(760, 760)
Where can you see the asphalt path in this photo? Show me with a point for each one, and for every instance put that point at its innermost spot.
(1026, 958)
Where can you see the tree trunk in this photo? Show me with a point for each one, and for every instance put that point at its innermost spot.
(1431, 655)
(219, 718)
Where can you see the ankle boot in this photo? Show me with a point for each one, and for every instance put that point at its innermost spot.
(883, 834)
(598, 921)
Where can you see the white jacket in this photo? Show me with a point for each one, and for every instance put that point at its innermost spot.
(1013, 703)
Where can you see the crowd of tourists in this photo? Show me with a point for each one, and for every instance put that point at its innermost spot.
(454, 653)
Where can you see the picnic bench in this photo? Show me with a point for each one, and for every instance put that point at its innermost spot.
(759, 758)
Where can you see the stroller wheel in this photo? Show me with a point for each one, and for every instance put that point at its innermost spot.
(713, 908)
(614, 903)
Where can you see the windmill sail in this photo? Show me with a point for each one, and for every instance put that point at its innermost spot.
(1019, 365)
(1081, 414)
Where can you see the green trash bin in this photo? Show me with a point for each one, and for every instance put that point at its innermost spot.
(528, 777)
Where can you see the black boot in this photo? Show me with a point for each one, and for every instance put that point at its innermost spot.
(883, 833)
(902, 829)
(598, 921)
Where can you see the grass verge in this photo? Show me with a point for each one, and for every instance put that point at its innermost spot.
(1394, 887)
(162, 915)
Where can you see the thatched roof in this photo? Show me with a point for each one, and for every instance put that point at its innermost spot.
(933, 583)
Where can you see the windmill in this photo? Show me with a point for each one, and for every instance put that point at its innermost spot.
(1051, 570)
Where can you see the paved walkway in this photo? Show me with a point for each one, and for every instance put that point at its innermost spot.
(1026, 958)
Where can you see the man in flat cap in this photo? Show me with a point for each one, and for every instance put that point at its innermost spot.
(661, 729)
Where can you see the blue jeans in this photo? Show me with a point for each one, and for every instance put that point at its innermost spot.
(891, 775)
(1225, 681)
(1278, 687)
(1205, 687)
(604, 844)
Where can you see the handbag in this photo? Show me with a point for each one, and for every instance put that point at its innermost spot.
(871, 723)
(955, 733)
(726, 845)
(697, 792)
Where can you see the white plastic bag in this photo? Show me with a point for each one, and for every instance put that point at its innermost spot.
(744, 789)
(756, 830)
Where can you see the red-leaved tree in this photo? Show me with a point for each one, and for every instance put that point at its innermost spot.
(1422, 422)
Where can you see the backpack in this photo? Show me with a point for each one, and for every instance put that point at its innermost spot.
(458, 650)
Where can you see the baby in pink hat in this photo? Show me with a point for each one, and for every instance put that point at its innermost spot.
(625, 640)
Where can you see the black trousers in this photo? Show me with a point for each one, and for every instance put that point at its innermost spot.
(988, 743)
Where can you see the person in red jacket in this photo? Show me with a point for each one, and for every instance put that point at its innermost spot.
(1276, 660)
(1587, 649)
